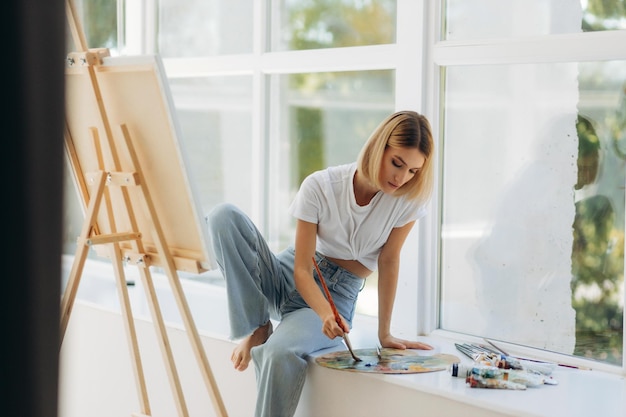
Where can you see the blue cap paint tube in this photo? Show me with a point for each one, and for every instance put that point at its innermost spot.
(487, 372)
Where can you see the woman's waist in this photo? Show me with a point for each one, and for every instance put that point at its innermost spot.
(351, 265)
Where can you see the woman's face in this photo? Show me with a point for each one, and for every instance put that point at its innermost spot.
(399, 165)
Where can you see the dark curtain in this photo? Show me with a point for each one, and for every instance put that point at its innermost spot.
(32, 153)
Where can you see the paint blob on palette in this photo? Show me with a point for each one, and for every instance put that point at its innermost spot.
(392, 361)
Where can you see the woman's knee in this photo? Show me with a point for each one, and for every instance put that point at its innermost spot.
(277, 356)
(221, 216)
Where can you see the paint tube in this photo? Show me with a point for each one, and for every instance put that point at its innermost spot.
(544, 368)
(499, 361)
(493, 372)
(476, 381)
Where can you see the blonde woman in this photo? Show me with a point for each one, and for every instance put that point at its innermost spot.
(354, 219)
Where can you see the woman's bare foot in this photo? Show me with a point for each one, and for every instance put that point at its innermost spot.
(241, 354)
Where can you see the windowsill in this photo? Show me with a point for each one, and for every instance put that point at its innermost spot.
(578, 393)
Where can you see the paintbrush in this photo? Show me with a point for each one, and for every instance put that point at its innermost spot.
(536, 360)
(335, 312)
(467, 351)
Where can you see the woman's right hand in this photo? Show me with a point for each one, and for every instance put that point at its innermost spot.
(332, 329)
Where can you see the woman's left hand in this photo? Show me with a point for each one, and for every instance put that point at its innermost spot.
(395, 343)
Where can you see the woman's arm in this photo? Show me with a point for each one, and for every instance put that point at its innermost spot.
(388, 268)
(306, 235)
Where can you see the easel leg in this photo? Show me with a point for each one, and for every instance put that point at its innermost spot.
(69, 295)
(163, 340)
(129, 324)
(196, 344)
(179, 295)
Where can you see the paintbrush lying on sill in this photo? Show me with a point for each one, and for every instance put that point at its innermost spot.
(536, 360)
(335, 312)
(478, 353)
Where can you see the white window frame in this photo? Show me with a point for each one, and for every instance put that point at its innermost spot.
(574, 47)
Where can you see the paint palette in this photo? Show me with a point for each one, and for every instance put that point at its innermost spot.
(392, 361)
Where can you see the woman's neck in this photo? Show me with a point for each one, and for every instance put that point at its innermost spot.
(364, 191)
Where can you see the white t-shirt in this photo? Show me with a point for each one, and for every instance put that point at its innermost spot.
(345, 229)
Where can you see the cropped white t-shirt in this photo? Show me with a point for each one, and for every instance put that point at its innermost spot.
(345, 229)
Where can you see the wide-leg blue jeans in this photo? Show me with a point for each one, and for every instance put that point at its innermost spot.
(260, 285)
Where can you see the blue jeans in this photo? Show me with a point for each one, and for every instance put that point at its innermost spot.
(260, 285)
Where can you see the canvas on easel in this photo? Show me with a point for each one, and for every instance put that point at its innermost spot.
(123, 146)
(135, 95)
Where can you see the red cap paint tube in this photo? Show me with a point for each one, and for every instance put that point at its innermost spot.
(478, 382)
(486, 376)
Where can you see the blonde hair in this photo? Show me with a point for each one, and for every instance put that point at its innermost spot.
(403, 129)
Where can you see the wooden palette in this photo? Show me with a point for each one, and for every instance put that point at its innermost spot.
(393, 361)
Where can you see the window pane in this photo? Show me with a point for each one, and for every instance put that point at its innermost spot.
(215, 116)
(323, 120)
(306, 24)
(495, 18)
(603, 15)
(533, 205)
(99, 21)
(204, 27)
(73, 216)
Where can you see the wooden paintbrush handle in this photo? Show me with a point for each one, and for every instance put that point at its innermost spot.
(335, 312)
(328, 296)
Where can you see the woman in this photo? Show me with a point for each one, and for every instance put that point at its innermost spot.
(353, 219)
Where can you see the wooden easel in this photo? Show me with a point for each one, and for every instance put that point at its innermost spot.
(102, 191)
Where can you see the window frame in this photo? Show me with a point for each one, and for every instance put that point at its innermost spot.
(559, 48)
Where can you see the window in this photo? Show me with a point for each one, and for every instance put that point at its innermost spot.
(532, 177)
(100, 25)
(298, 25)
(540, 246)
(496, 19)
(204, 28)
(102, 30)
(524, 240)
(215, 116)
(323, 120)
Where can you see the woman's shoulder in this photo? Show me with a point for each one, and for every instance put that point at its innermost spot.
(404, 207)
(332, 174)
(341, 172)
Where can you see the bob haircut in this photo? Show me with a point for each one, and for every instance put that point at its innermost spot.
(403, 129)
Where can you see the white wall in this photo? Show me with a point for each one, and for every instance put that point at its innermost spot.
(96, 378)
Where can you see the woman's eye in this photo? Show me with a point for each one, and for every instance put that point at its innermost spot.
(396, 163)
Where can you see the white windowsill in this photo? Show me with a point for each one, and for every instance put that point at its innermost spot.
(578, 393)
